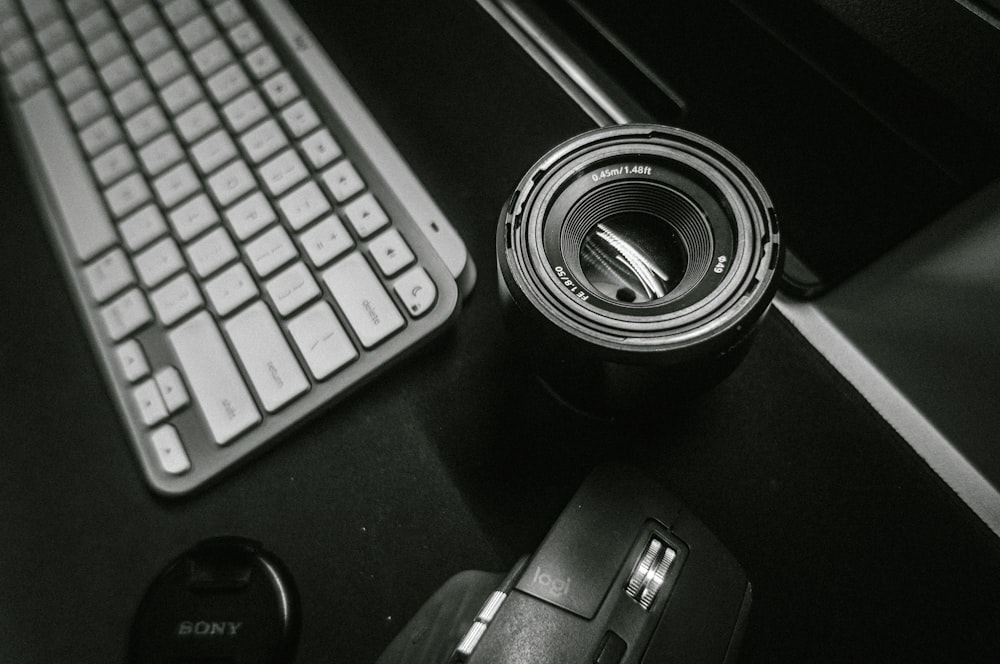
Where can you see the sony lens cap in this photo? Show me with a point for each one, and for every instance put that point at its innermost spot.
(224, 600)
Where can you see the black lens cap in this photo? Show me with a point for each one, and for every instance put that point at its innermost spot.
(226, 600)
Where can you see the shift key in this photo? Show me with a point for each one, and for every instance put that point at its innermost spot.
(213, 377)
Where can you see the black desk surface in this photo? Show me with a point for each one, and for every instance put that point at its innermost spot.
(458, 459)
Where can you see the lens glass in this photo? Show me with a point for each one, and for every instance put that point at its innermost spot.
(633, 257)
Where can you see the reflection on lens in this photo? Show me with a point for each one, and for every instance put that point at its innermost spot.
(633, 258)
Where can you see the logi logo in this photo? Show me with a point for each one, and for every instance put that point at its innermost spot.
(554, 585)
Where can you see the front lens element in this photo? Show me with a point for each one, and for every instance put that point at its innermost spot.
(633, 257)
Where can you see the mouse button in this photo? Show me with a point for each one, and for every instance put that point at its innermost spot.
(612, 649)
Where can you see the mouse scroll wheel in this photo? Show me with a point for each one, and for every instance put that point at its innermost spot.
(650, 571)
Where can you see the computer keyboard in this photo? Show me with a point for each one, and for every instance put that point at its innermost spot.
(243, 242)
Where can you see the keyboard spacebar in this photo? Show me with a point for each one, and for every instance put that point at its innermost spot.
(211, 372)
(70, 185)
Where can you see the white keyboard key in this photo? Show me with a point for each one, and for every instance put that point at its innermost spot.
(244, 111)
(147, 399)
(193, 217)
(250, 215)
(107, 48)
(161, 154)
(211, 252)
(119, 71)
(227, 83)
(270, 251)
(139, 20)
(179, 12)
(283, 172)
(304, 205)
(229, 13)
(73, 196)
(142, 227)
(196, 32)
(417, 291)
(180, 94)
(28, 80)
(100, 135)
(169, 450)
(113, 164)
(88, 108)
(127, 194)
(152, 44)
(196, 122)
(166, 67)
(320, 148)
(292, 288)
(126, 314)
(213, 151)
(80, 8)
(158, 262)
(326, 240)
(95, 24)
(132, 97)
(176, 299)
(266, 357)
(172, 389)
(262, 62)
(109, 274)
(321, 340)
(122, 6)
(176, 184)
(145, 125)
(215, 382)
(245, 36)
(131, 360)
(11, 25)
(211, 57)
(300, 118)
(343, 180)
(366, 215)
(391, 253)
(231, 182)
(54, 35)
(369, 309)
(232, 288)
(66, 57)
(281, 89)
(75, 82)
(17, 54)
(263, 140)
(40, 12)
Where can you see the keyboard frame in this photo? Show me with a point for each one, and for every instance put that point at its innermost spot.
(438, 247)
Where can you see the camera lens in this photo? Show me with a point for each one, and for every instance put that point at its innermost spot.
(635, 261)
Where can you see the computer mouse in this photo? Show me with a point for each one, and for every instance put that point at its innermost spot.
(626, 575)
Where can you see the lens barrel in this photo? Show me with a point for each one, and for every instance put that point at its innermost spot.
(635, 262)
